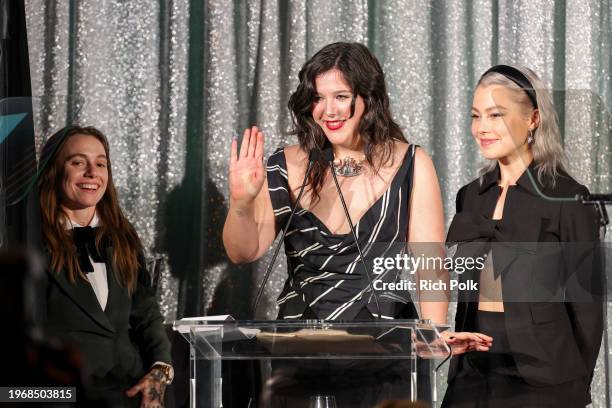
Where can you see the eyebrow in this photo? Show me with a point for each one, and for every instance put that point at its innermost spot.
(100, 156)
(339, 92)
(497, 107)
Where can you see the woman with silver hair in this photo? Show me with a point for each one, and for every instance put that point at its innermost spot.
(536, 290)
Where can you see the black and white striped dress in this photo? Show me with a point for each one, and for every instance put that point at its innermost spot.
(326, 279)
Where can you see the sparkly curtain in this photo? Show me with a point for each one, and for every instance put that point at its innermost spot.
(170, 82)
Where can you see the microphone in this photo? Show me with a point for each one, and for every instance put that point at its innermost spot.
(595, 198)
(312, 157)
(328, 156)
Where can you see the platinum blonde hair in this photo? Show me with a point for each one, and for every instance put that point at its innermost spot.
(547, 148)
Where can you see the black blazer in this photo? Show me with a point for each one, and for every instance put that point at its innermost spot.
(554, 339)
(119, 344)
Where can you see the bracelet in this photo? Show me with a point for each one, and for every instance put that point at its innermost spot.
(167, 371)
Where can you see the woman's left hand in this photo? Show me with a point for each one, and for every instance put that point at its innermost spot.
(152, 386)
(463, 342)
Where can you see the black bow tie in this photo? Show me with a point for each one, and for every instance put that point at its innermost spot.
(85, 242)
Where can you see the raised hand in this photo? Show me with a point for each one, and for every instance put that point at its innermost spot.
(247, 173)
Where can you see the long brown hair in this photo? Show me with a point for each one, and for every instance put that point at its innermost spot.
(364, 75)
(114, 227)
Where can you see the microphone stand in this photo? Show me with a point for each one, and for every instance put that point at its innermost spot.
(599, 201)
(329, 158)
(312, 157)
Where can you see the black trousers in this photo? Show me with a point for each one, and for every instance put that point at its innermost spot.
(491, 379)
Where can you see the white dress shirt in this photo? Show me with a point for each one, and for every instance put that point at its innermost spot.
(98, 278)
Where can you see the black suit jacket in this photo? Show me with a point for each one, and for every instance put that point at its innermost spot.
(118, 344)
(546, 252)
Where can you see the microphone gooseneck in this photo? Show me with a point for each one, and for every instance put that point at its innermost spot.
(328, 155)
(312, 157)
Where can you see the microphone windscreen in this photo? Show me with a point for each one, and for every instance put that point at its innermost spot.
(328, 154)
(314, 154)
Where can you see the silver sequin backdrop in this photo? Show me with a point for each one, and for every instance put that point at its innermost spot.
(170, 82)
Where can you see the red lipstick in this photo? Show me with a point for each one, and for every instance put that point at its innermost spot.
(334, 125)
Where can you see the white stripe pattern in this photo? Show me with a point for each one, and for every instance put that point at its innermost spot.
(304, 251)
(289, 295)
(371, 240)
(282, 210)
(315, 278)
(340, 255)
(278, 168)
(334, 315)
(329, 258)
(326, 292)
(301, 230)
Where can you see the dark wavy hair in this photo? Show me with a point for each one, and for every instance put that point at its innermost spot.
(364, 75)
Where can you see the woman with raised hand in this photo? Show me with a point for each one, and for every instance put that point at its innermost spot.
(99, 295)
(391, 190)
(537, 292)
(390, 187)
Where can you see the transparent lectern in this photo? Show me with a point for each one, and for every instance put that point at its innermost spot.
(395, 342)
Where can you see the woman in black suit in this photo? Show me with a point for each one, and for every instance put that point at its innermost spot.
(536, 294)
(98, 294)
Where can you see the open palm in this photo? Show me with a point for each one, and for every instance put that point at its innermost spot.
(247, 173)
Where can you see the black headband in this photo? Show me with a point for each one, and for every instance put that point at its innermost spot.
(518, 78)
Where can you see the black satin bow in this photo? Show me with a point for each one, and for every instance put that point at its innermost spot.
(477, 235)
(85, 242)
(468, 226)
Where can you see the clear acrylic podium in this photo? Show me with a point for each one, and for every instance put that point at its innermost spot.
(212, 342)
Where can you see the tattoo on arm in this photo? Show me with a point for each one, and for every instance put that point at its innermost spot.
(156, 390)
(154, 394)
